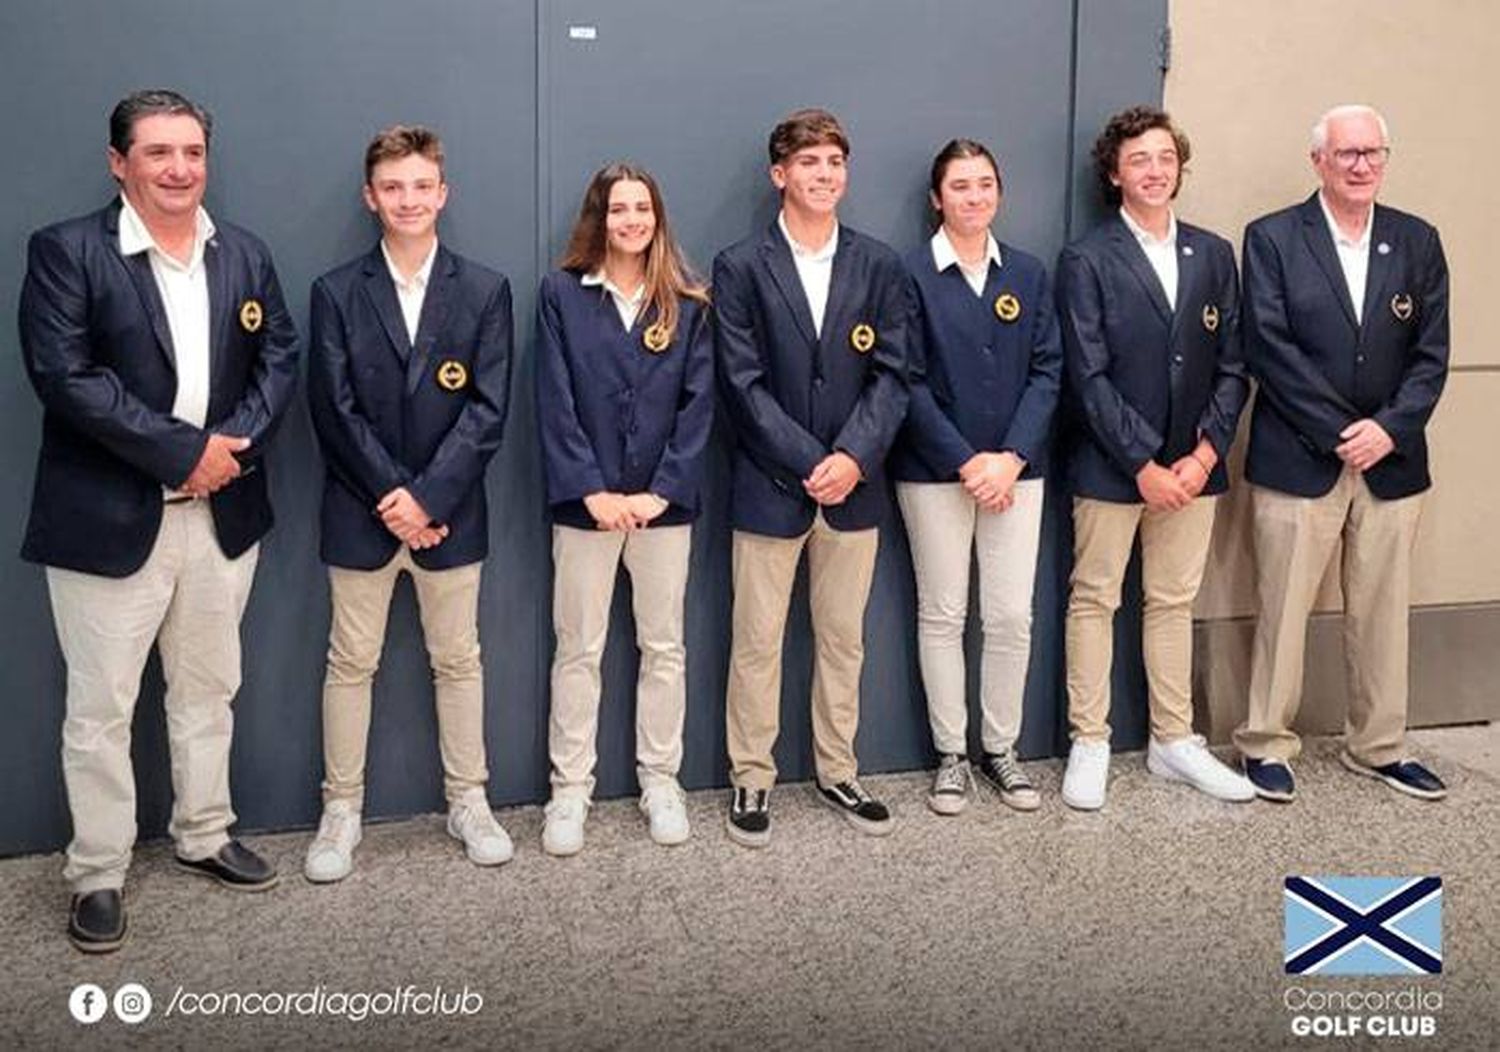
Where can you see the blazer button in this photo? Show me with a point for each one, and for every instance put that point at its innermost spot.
(1177, 359)
(1359, 357)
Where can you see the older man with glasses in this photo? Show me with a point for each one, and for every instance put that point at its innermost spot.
(1345, 322)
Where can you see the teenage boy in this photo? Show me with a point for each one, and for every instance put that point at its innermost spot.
(1150, 329)
(810, 342)
(408, 379)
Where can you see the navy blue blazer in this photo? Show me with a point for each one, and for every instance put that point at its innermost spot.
(388, 414)
(613, 414)
(99, 352)
(793, 397)
(983, 379)
(1146, 382)
(1319, 371)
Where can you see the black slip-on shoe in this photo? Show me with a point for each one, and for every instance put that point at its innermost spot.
(235, 866)
(96, 921)
(1404, 776)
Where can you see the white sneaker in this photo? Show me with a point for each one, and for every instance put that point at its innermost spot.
(667, 810)
(1188, 760)
(485, 841)
(1087, 775)
(330, 857)
(562, 832)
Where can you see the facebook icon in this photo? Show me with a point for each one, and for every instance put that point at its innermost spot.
(88, 1003)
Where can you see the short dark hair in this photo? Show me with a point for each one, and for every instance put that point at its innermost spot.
(403, 140)
(1127, 124)
(149, 103)
(804, 128)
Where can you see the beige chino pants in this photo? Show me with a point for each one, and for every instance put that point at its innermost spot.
(841, 566)
(1295, 537)
(1174, 553)
(585, 565)
(448, 601)
(188, 598)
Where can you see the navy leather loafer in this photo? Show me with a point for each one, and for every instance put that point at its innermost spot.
(1272, 779)
(1406, 776)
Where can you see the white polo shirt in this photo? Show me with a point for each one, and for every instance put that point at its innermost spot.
(627, 307)
(184, 297)
(411, 293)
(1161, 253)
(944, 256)
(814, 269)
(1354, 256)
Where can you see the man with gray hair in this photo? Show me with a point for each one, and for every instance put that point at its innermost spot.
(163, 355)
(1345, 324)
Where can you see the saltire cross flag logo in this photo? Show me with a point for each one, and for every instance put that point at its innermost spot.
(1363, 925)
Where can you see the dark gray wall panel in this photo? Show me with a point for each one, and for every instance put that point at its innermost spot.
(690, 90)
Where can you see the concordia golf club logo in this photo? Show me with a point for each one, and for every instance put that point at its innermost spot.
(1363, 925)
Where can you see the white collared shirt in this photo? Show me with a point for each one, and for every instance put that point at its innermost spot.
(1161, 253)
(184, 297)
(944, 256)
(626, 306)
(411, 292)
(1354, 256)
(814, 269)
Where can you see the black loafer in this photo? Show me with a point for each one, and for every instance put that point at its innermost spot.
(235, 866)
(96, 921)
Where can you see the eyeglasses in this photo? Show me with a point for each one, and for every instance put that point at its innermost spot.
(1374, 156)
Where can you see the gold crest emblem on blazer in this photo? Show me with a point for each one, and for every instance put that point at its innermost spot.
(655, 338)
(862, 338)
(251, 315)
(1211, 317)
(1402, 306)
(1007, 307)
(451, 375)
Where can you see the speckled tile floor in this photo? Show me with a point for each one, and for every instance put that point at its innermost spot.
(1154, 924)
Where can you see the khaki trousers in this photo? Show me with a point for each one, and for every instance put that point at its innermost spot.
(841, 566)
(1295, 537)
(188, 598)
(1174, 552)
(945, 526)
(585, 566)
(448, 601)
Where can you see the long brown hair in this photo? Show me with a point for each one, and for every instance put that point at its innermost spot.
(668, 275)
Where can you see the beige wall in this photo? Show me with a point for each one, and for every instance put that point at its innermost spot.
(1247, 82)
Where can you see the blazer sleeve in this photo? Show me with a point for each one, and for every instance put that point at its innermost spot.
(572, 469)
(871, 427)
(274, 378)
(932, 433)
(772, 438)
(1126, 436)
(458, 463)
(1031, 427)
(678, 471)
(1405, 415)
(351, 446)
(55, 343)
(1288, 377)
(1221, 416)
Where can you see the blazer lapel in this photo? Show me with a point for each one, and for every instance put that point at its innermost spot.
(778, 256)
(1320, 243)
(381, 291)
(840, 290)
(138, 267)
(219, 308)
(1189, 271)
(1380, 267)
(1129, 250)
(434, 319)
